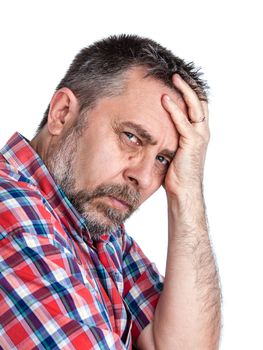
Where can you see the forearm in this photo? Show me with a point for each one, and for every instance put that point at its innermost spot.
(188, 312)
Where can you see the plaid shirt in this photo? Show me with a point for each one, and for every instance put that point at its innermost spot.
(58, 289)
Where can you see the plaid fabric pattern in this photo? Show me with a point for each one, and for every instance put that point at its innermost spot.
(58, 288)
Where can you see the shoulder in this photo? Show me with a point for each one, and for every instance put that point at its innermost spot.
(22, 206)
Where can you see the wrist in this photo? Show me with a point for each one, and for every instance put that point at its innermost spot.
(186, 211)
(185, 196)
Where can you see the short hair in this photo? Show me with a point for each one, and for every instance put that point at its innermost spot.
(98, 70)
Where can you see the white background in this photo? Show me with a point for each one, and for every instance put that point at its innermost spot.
(39, 40)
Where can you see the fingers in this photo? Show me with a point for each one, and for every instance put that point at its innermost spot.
(196, 120)
(189, 131)
(197, 109)
(182, 124)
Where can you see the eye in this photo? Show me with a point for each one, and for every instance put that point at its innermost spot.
(132, 138)
(165, 162)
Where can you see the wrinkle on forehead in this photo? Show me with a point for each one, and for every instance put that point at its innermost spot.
(137, 74)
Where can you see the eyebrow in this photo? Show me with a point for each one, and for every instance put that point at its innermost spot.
(140, 131)
(147, 137)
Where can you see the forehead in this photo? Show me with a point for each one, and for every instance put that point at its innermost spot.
(141, 103)
(141, 87)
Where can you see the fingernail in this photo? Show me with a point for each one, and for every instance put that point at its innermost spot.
(167, 98)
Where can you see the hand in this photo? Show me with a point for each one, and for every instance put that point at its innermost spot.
(185, 173)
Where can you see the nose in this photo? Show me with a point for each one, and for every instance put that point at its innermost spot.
(140, 173)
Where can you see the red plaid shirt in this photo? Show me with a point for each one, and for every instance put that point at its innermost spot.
(58, 289)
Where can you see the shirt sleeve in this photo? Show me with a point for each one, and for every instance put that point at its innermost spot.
(43, 305)
(142, 285)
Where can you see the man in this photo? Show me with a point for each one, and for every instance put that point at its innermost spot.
(128, 117)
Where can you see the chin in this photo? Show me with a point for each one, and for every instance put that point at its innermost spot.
(98, 222)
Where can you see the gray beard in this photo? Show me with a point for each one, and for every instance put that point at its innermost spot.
(60, 164)
(83, 201)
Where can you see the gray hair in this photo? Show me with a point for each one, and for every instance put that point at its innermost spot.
(98, 70)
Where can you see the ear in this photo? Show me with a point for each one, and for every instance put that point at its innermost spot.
(64, 108)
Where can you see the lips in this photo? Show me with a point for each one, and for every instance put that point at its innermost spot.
(119, 203)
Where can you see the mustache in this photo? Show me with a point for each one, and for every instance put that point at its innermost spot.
(122, 192)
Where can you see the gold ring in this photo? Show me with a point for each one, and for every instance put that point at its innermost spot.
(199, 121)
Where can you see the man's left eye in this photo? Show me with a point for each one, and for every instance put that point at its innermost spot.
(163, 160)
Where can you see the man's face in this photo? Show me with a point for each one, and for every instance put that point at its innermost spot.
(121, 157)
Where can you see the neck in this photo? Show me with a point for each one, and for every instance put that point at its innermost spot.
(41, 143)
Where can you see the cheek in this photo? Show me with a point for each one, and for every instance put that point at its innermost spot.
(100, 164)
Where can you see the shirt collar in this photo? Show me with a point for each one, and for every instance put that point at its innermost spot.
(19, 154)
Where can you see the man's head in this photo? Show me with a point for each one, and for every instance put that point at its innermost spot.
(105, 136)
(99, 70)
